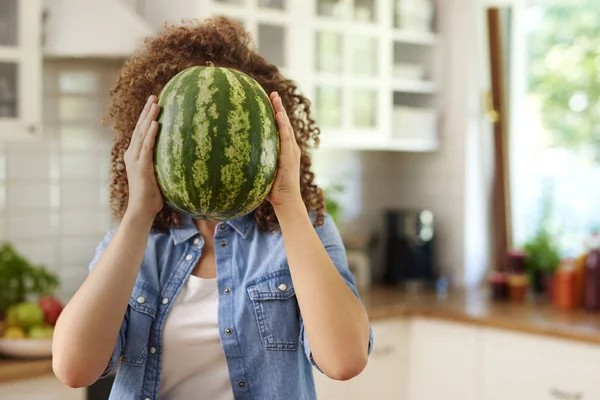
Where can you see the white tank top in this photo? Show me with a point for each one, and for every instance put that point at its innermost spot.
(193, 362)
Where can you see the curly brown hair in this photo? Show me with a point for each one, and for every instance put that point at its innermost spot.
(225, 43)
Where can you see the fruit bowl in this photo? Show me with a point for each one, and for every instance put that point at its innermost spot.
(26, 348)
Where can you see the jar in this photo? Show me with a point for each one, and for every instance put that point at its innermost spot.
(518, 285)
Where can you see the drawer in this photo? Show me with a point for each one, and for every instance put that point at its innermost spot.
(529, 367)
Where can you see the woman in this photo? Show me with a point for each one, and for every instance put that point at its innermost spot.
(198, 310)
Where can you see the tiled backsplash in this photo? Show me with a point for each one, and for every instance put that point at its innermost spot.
(54, 191)
(54, 197)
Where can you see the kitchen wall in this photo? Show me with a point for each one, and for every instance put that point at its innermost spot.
(53, 193)
(453, 182)
(54, 199)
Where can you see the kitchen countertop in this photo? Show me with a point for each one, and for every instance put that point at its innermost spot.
(472, 307)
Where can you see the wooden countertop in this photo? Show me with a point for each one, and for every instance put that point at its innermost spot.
(475, 307)
(471, 307)
(14, 370)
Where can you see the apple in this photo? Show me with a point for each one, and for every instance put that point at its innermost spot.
(14, 332)
(51, 307)
(41, 332)
(24, 315)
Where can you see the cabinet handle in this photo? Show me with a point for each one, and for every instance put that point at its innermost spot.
(33, 128)
(560, 394)
(382, 351)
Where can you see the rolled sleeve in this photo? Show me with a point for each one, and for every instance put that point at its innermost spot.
(332, 241)
(119, 345)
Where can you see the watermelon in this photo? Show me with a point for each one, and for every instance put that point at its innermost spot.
(217, 149)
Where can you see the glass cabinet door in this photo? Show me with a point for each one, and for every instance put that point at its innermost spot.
(329, 57)
(364, 108)
(365, 55)
(9, 70)
(20, 67)
(328, 107)
(330, 8)
(271, 43)
(9, 107)
(365, 10)
(8, 22)
(274, 4)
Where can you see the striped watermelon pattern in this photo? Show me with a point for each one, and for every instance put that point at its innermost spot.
(217, 149)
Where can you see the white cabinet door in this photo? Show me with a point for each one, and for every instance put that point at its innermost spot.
(48, 388)
(529, 367)
(444, 361)
(20, 68)
(385, 375)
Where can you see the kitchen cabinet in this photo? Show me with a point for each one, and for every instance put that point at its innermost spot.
(48, 388)
(385, 375)
(20, 69)
(518, 366)
(372, 77)
(444, 360)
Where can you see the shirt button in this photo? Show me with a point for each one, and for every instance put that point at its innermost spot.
(227, 290)
(223, 243)
(141, 300)
(147, 398)
(196, 241)
(222, 227)
(228, 331)
(152, 350)
(283, 287)
(242, 384)
(165, 300)
(189, 257)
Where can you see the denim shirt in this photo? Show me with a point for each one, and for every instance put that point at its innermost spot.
(261, 329)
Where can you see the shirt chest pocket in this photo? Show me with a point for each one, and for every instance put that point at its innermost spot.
(143, 305)
(276, 310)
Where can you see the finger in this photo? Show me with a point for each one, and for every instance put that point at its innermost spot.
(273, 95)
(285, 112)
(151, 116)
(147, 153)
(284, 132)
(143, 115)
(286, 124)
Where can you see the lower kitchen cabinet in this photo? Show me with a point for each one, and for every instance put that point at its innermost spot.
(445, 361)
(529, 367)
(48, 388)
(386, 373)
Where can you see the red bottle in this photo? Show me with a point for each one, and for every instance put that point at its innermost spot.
(591, 300)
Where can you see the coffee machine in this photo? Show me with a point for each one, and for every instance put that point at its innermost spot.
(409, 243)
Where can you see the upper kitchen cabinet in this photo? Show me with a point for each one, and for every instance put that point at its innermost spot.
(368, 66)
(20, 69)
(268, 21)
(373, 80)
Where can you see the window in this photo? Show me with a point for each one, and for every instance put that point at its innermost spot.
(555, 121)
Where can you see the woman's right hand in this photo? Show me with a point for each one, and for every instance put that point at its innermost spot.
(145, 198)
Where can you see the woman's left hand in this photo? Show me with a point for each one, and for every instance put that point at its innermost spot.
(286, 188)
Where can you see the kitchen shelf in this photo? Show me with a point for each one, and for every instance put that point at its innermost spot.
(331, 140)
(414, 86)
(404, 36)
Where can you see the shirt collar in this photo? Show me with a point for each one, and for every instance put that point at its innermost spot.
(188, 229)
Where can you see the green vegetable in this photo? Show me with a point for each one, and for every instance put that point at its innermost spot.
(19, 279)
(217, 151)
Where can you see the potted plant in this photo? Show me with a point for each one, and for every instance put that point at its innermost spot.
(332, 206)
(542, 259)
